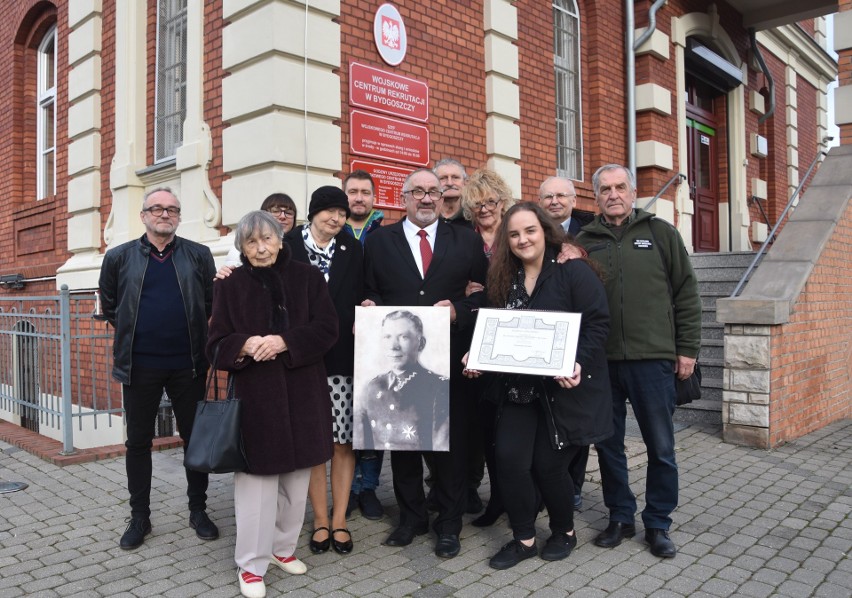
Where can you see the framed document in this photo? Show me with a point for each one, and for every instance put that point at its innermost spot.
(525, 341)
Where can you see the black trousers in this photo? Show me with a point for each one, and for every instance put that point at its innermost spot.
(449, 472)
(525, 459)
(141, 403)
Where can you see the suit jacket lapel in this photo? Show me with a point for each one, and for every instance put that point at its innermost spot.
(441, 246)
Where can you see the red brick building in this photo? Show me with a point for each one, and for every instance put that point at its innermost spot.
(228, 101)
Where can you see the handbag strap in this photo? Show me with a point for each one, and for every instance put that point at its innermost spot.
(212, 377)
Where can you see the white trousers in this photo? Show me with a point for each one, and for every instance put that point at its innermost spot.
(270, 511)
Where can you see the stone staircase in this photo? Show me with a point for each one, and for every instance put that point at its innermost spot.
(718, 275)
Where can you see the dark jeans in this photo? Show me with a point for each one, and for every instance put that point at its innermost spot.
(526, 459)
(141, 403)
(649, 384)
(368, 468)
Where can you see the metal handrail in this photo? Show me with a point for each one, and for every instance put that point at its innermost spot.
(663, 190)
(762, 250)
(756, 201)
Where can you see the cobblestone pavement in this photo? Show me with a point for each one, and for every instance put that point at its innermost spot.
(751, 523)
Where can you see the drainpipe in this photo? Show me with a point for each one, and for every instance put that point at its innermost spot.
(752, 36)
(632, 46)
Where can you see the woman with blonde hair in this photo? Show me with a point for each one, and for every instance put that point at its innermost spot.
(485, 199)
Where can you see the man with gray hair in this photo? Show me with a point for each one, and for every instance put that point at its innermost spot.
(558, 198)
(452, 177)
(157, 292)
(655, 333)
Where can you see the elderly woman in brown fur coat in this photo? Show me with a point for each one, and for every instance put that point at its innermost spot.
(273, 321)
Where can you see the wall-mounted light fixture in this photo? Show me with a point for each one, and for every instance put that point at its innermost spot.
(12, 281)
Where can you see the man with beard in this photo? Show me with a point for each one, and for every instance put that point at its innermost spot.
(364, 220)
(421, 260)
(361, 192)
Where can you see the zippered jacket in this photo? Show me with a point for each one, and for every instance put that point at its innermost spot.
(654, 306)
(374, 221)
(120, 286)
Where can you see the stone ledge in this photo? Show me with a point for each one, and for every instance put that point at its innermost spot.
(50, 450)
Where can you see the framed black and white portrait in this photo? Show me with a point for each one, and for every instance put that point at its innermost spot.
(402, 385)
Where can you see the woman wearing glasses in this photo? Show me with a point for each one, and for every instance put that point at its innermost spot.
(485, 199)
(283, 208)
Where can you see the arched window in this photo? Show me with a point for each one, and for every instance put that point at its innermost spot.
(170, 106)
(566, 67)
(46, 116)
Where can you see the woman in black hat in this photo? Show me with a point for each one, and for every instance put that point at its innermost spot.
(323, 243)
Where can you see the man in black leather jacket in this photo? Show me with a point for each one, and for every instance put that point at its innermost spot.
(157, 292)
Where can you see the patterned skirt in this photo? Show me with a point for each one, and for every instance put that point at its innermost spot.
(340, 390)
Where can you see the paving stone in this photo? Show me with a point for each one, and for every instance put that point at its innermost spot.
(750, 523)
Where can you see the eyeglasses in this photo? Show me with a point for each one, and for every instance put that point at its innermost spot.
(287, 213)
(560, 196)
(418, 193)
(157, 211)
(488, 204)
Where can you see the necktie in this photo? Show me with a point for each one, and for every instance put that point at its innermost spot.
(425, 251)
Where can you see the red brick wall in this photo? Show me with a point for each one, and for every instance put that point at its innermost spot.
(811, 360)
(33, 240)
(213, 75)
(445, 50)
(107, 111)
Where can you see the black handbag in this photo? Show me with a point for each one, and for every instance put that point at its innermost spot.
(690, 389)
(216, 444)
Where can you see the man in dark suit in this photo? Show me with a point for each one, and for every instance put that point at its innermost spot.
(558, 198)
(423, 261)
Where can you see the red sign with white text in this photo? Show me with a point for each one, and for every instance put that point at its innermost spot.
(388, 181)
(388, 138)
(388, 92)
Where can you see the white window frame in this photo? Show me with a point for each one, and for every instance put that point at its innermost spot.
(170, 86)
(46, 116)
(567, 83)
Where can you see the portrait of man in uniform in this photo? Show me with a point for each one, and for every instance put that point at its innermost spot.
(400, 403)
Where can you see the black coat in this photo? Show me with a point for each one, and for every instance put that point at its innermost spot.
(120, 286)
(346, 287)
(286, 410)
(392, 278)
(581, 415)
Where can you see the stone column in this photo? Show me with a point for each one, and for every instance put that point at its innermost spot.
(85, 23)
(280, 102)
(502, 95)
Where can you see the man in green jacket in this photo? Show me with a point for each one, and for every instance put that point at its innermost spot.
(655, 333)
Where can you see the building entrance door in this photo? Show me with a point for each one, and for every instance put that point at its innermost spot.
(703, 166)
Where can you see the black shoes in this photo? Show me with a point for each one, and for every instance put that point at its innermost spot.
(614, 533)
(511, 554)
(558, 546)
(344, 547)
(660, 543)
(404, 535)
(447, 546)
(134, 535)
(204, 528)
(370, 506)
(318, 547)
(578, 502)
(474, 503)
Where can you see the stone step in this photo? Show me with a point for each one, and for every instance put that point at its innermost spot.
(704, 410)
(716, 288)
(719, 274)
(716, 260)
